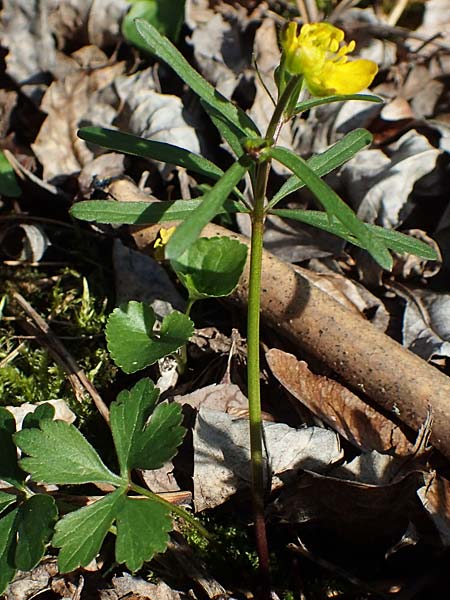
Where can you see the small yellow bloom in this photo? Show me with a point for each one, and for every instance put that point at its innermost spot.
(320, 56)
(164, 237)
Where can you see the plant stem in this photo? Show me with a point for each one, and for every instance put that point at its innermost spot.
(253, 337)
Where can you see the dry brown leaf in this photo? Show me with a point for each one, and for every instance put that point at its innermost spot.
(355, 420)
(67, 103)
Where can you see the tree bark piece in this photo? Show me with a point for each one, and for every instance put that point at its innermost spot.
(367, 359)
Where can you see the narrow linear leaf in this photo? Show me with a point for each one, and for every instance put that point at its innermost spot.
(333, 204)
(9, 468)
(164, 49)
(143, 526)
(313, 102)
(80, 534)
(137, 146)
(229, 132)
(211, 267)
(212, 204)
(7, 543)
(142, 213)
(34, 523)
(335, 156)
(8, 182)
(128, 416)
(134, 345)
(58, 453)
(394, 240)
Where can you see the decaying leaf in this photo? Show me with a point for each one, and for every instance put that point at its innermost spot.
(355, 420)
(222, 454)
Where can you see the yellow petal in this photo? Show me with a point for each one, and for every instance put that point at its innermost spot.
(345, 78)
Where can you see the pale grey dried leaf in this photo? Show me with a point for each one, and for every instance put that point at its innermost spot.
(102, 168)
(139, 277)
(293, 241)
(29, 242)
(68, 103)
(152, 115)
(435, 496)
(226, 397)
(104, 22)
(222, 454)
(126, 585)
(384, 197)
(31, 584)
(426, 322)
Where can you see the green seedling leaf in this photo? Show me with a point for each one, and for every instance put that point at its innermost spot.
(134, 345)
(394, 240)
(146, 434)
(211, 267)
(7, 543)
(143, 213)
(43, 411)
(212, 205)
(164, 49)
(8, 181)
(137, 146)
(58, 453)
(9, 468)
(34, 525)
(167, 17)
(6, 500)
(334, 206)
(142, 531)
(324, 163)
(80, 534)
(313, 102)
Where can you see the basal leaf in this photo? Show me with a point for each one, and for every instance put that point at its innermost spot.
(8, 181)
(142, 531)
(7, 543)
(80, 534)
(6, 500)
(313, 102)
(212, 204)
(58, 453)
(34, 525)
(334, 206)
(162, 47)
(132, 342)
(211, 267)
(9, 468)
(128, 416)
(137, 146)
(142, 213)
(327, 161)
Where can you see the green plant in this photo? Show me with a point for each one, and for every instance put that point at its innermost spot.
(147, 434)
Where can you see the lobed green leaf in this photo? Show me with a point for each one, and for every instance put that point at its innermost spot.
(58, 453)
(7, 543)
(34, 525)
(211, 267)
(167, 17)
(9, 468)
(141, 442)
(134, 345)
(6, 500)
(143, 526)
(8, 182)
(80, 534)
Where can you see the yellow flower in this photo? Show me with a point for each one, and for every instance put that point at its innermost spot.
(161, 241)
(320, 56)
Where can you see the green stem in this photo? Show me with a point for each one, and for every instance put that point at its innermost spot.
(174, 509)
(253, 338)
